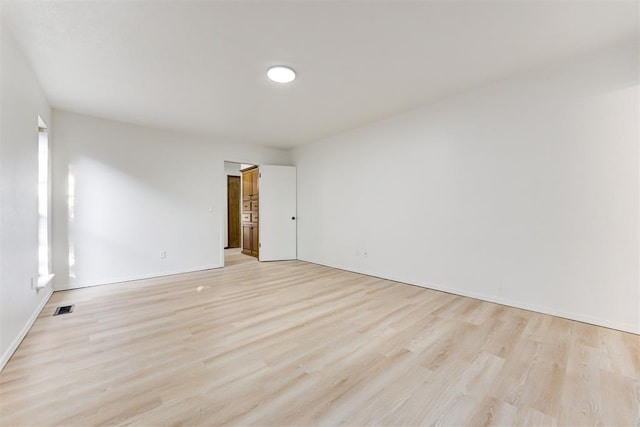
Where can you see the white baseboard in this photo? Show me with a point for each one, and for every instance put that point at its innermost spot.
(121, 279)
(23, 333)
(607, 323)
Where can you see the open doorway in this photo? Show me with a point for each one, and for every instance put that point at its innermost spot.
(267, 213)
(233, 246)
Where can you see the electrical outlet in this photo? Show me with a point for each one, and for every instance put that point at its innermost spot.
(163, 255)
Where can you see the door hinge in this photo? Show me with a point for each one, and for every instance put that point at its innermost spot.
(259, 245)
(259, 175)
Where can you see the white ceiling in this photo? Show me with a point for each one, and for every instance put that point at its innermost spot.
(200, 66)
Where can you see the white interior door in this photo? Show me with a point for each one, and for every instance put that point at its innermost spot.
(277, 220)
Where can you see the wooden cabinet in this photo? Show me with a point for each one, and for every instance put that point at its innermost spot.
(250, 213)
(250, 184)
(249, 236)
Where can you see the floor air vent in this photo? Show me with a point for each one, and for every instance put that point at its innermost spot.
(63, 309)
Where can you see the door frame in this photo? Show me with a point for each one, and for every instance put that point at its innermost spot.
(223, 203)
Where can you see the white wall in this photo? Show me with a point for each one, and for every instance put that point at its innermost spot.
(21, 102)
(233, 169)
(138, 191)
(524, 192)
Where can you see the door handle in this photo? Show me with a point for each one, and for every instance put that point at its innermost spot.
(293, 218)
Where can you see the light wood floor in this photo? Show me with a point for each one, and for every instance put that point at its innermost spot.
(297, 344)
(235, 256)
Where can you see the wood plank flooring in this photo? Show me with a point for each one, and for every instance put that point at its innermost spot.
(297, 344)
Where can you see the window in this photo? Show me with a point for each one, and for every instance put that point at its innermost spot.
(44, 191)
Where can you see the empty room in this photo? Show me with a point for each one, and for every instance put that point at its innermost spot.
(300, 213)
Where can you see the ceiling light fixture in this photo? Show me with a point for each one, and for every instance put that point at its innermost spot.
(281, 74)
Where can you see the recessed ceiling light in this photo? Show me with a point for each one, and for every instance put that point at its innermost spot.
(281, 74)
